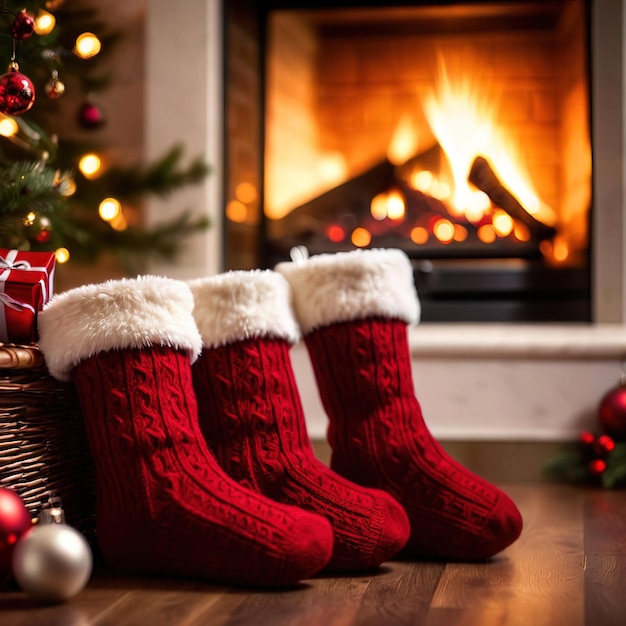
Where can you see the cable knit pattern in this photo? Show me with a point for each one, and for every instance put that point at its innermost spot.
(379, 438)
(164, 506)
(251, 415)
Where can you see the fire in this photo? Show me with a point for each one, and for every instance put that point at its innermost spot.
(462, 116)
(404, 143)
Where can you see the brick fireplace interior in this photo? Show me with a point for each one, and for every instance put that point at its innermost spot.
(459, 132)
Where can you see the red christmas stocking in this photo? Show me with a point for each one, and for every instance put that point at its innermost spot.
(251, 414)
(353, 309)
(164, 506)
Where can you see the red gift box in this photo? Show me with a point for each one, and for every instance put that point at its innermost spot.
(26, 284)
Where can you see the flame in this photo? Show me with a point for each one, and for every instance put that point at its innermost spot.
(404, 142)
(462, 112)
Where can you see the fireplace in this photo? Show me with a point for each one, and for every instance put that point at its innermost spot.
(458, 132)
(484, 381)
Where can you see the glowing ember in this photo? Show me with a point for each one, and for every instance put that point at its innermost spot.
(361, 237)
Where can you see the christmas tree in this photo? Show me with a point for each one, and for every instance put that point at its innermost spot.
(55, 193)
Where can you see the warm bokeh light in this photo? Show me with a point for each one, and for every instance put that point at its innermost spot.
(555, 251)
(486, 233)
(478, 204)
(443, 229)
(30, 218)
(89, 165)
(561, 250)
(87, 46)
(67, 187)
(421, 180)
(440, 190)
(378, 206)
(332, 168)
(395, 206)
(460, 233)
(246, 193)
(404, 142)
(44, 23)
(119, 222)
(521, 232)
(236, 211)
(109, 209)
(8, 127)
(361, 237)
(419, 235)
(336, 233)
(502, 223)
(62, 255)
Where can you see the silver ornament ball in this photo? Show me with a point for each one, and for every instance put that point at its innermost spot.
(52, 562)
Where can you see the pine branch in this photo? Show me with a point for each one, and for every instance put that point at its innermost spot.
(30, 186)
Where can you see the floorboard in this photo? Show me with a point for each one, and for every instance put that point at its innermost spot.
(568, 568)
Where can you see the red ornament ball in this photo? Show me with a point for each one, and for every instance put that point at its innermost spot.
(612, 413)
(17, 93)
(587, 439)
(41, 229)
(14, 522)
(23, 25)
(90, 115)
(604, 445)
(597, 467)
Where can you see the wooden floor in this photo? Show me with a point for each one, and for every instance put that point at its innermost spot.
(568, 568)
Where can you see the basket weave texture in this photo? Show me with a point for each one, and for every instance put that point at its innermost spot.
(43, 445)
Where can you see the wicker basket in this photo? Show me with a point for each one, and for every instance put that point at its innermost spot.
(43, 446)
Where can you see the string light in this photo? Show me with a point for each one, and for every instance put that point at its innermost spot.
(109, 209)
(62, 255)
(67, 187)
(89, 165)
(8, 127)
(119, 222)
(44, 23)
(87, 46)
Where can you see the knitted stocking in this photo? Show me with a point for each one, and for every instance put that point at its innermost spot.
(353, 309)
(251, 414)
(164, 506)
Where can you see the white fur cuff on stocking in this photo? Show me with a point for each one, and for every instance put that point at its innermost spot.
(116, 315)
(347, 286)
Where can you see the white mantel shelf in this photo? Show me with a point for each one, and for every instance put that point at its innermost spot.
(490, 382)
(519, 341)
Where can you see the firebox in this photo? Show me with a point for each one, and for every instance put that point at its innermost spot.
(456, 131)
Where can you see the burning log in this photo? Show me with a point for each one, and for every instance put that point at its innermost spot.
(484, 178)
(352, 197)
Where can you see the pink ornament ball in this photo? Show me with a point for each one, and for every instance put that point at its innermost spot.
(90, 115)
